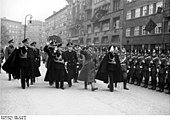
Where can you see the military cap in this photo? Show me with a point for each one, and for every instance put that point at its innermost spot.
(33, 43)
(69, 44)
(10, 41)
(25, 40)
(59, 44)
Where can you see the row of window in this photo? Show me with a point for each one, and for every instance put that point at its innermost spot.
(13, 31)
(143, 11)
(140, 30)
(104, 26)
(103, 7)
(97, 1)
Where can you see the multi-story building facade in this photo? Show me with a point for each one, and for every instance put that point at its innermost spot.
(35, 31)
(13, 28)
(137, 14)
(103, 33)
(57, 24)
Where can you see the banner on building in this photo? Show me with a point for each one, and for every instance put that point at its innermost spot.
(98, 15)
(150, 25)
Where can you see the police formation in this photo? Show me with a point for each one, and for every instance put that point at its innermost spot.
(74, 63)
(149, 69)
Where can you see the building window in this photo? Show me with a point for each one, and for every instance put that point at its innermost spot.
(97, 27)
(136, 31)
(158, 28)
(96, 40)
(117, 24)
(105, 25)
(143, 30)
(159, 4)
(168, 26)
(128, 16)
(150, 9)
(89, 30)
(137, 12)
(127, 32)
(105, 40)
(116, 5)
(144, 11)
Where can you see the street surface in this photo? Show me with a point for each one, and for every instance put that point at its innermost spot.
(42, 99)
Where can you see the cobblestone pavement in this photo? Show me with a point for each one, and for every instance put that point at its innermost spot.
(42, 99)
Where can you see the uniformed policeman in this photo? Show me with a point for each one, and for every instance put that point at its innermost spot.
(168, 76)
(154, 65)
(25, 62)
(36, 62)
(123, 60)
(162, 73)
(8, 52)
(71, 60)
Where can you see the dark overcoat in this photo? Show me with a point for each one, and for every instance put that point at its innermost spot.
(102, 73)
(12, 64)
(51, 66)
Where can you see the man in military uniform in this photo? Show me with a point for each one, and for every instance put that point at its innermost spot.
(154, 65)
(35, 62)
(25, 62)
(8, 52)
(162, 73)
(1, 57)
(71, 60)
(123, 61)
(145, 71)
(168, 76)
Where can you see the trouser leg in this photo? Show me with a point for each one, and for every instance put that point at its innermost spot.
(61, 79)
(111, 76)
(9, 76)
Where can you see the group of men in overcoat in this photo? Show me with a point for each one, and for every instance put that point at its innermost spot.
(23, 63)
(61, 65)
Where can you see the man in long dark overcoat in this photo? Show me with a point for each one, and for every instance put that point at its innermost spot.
(110, 69)
(26, 56)
(35, 63)
(8, 51)
(71, 59)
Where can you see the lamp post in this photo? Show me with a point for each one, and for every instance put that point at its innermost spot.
(25, 24)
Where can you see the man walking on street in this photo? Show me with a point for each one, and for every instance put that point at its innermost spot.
(25, 63)
(70, 57)
(8, 52)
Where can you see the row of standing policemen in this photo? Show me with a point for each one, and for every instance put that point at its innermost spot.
(146, 68)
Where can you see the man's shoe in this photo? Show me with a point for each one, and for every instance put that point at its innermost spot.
(126, 88)
(51, 83)
(75, 81)
(93, 89)
(62, 88)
